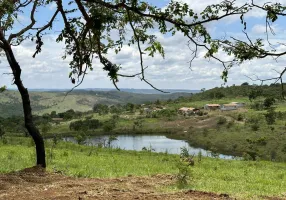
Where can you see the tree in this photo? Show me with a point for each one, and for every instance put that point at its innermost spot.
(268, 102)
(270, 116)
(54, 114)
(2, 131)
(87, 36)
(45, 127)
(248, 48)
(8, 12)
(101, 109)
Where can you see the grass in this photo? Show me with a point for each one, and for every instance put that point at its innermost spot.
(241, 179)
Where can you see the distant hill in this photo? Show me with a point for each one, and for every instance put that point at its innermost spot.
(130, 90)
(145, 91)
(79, 100)
(273, 90)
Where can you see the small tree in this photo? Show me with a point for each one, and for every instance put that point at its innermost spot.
(101, 109)
(138, 124)
(45, 127)
(2, 131)
(268, 102)
(270, 116)
(245, 84)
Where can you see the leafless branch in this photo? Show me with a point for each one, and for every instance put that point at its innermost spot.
(141, 54)
(28, 27)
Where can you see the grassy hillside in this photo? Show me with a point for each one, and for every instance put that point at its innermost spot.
(240, 179)
(79, 100)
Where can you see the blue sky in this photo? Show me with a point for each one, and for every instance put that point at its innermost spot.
(48, 70)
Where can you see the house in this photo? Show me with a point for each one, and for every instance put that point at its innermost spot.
(239, 105)
(196, 110)
(212, 107)
(184, 110)
(226, 107)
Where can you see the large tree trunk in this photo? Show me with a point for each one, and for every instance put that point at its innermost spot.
(29, 123)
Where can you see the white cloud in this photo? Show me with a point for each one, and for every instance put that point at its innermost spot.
(48, 70)
(261, 29)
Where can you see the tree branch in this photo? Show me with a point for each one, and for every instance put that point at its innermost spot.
(28, 27)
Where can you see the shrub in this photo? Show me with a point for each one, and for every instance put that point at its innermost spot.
(270, 116)
(257, 106)
(268, 102)
(239, 117)
(184, 152)
(254, 127)
(221, 121)
(81, 138)
(184, 174)
(230, 124)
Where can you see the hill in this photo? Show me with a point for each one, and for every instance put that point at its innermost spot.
(79, 100)
(249, 91)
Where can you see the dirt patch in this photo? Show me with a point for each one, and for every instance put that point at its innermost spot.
(35, 183)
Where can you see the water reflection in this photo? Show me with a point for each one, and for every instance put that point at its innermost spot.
(155, 143)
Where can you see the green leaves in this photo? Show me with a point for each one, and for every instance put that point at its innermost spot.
(3, 88)
(156, 46)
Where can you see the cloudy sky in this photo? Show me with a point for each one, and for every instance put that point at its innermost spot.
(48, 70)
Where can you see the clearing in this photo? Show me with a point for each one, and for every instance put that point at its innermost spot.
(34, 183)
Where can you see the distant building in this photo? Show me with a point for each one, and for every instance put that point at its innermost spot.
(212, 107)
(226, 107)
(239, 105)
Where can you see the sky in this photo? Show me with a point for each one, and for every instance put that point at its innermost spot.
(49, 70)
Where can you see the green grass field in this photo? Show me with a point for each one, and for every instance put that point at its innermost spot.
(241, 179)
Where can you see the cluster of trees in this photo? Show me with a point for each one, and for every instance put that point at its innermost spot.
(252, 92)
(89, 124)
(103, 109)
(86, 124)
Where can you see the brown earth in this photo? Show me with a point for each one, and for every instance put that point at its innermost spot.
(34, 183)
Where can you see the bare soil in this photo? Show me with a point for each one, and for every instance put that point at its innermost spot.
(35, 183)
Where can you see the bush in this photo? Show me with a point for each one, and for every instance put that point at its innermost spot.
(221, 121)
(239, 117)
(230, 124)
(254, 127)
(257, 106)
(109, 125)
(270, 116)
(268, 102)
(184, 174)
(87, 124)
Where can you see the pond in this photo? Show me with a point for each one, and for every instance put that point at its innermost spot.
(147, 142)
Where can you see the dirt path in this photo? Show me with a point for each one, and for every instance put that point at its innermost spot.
(34, 184)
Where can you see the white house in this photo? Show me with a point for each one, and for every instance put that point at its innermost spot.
(212, 107)
(226, 107)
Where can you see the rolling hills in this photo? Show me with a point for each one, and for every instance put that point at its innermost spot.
(79, 100)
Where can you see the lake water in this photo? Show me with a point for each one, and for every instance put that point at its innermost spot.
(156, 143)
